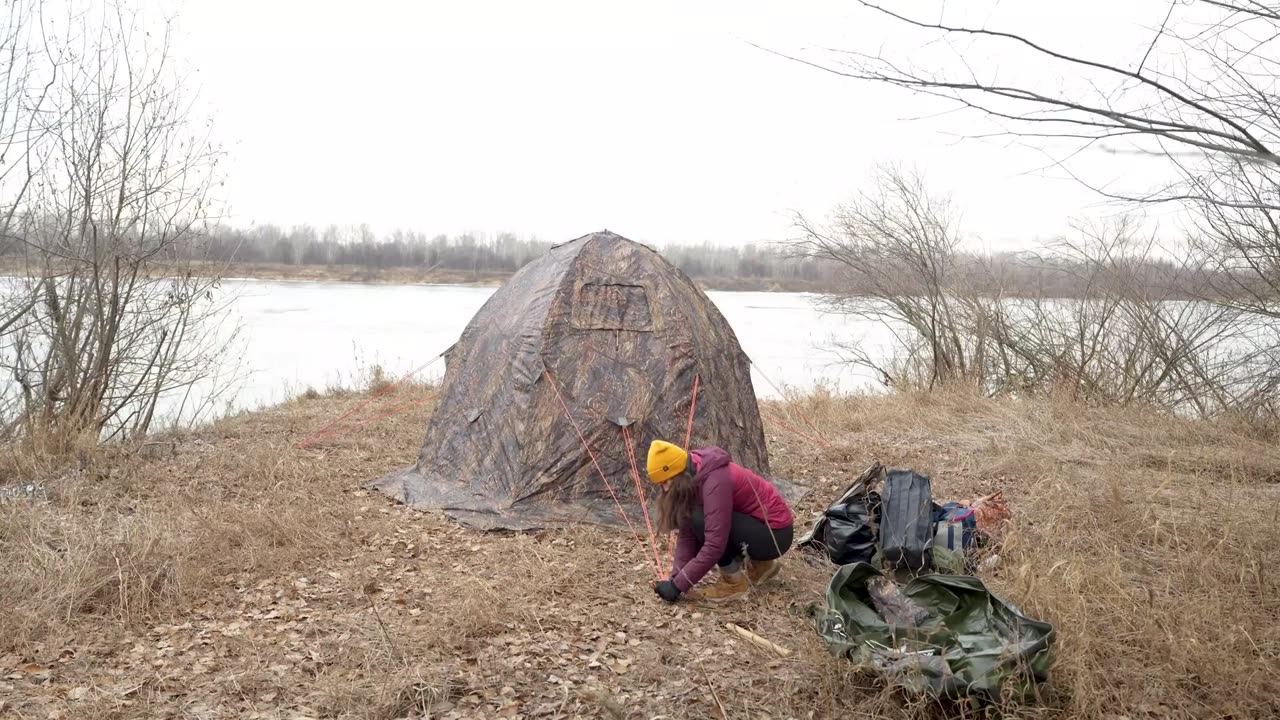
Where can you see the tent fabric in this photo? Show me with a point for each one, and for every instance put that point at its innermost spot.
(971, 643)
(622, 333)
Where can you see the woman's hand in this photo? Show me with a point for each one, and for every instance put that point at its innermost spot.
(667, 590)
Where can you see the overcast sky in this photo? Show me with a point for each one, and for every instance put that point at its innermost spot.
(655, 119)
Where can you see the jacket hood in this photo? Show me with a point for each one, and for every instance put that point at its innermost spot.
(706, 460)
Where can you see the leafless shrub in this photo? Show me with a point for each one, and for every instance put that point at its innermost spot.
(1133, 339)
(111, 327)
(901, 244)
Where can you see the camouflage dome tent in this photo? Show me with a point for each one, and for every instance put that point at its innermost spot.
(622, 333)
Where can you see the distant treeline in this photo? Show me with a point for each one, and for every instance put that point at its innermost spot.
(480, 255)
(477, 253)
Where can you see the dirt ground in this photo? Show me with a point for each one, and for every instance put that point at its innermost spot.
(224, 573)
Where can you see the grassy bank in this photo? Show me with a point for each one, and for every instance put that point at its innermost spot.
(225, 573)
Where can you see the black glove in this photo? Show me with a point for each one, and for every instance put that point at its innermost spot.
(667, 590)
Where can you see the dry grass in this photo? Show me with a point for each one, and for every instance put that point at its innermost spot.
(227, 574)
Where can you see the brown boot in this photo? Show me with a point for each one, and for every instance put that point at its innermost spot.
(762, 571)
(730, 586)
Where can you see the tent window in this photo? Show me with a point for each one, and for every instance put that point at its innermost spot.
(612, 307)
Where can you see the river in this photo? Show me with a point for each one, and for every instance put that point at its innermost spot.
(299, 335)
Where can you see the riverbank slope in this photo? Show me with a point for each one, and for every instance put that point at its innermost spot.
(225, 573)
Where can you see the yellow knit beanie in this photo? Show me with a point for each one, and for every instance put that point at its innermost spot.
(666, 461)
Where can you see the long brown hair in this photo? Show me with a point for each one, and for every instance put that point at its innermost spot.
(677, 503)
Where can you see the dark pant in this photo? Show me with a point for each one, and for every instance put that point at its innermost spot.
(763, 543)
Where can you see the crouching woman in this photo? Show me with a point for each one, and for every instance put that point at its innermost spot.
(721, 511)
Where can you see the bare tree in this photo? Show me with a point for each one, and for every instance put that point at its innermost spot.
(1200, 94)
(1129, 339)
(1213, 92)
(117, 328)
(24, 91)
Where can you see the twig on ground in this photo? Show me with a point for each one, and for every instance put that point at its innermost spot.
(715, 696)
(386, 635)
(759, 641)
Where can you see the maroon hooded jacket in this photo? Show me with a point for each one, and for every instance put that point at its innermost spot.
(725, 488)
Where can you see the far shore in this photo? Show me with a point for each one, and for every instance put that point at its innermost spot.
(426, 276)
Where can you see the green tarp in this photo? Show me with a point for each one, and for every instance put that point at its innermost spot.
(971, 644)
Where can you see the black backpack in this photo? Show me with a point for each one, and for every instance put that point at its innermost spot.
(846, 531)
(906, 521)
(849, 533)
